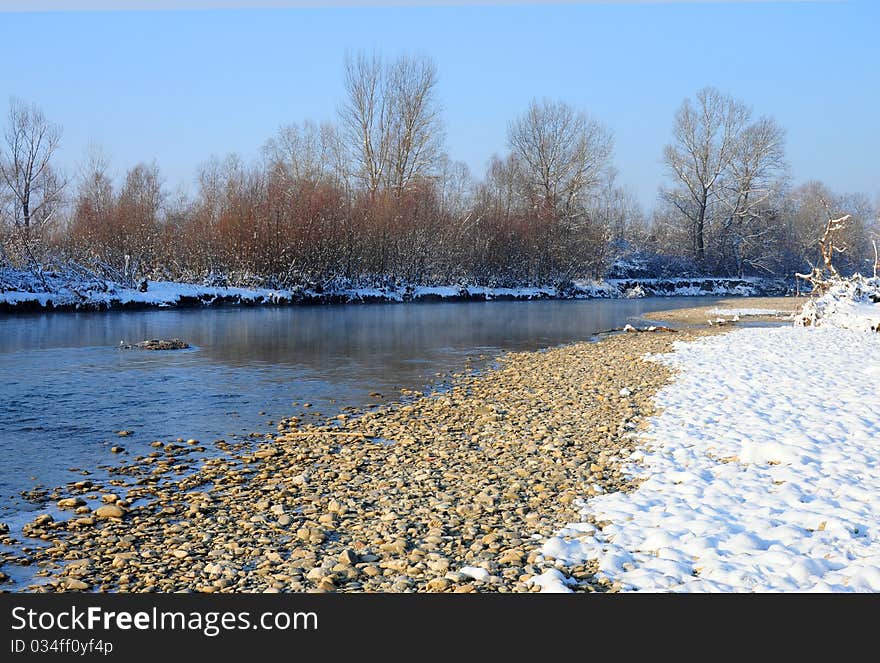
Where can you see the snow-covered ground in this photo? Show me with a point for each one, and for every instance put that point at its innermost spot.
(762, 472)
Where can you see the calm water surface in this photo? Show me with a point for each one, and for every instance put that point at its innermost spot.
(66, 387)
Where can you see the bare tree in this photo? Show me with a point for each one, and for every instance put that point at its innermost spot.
(138, 210)
(748, 192)
(706, 140)
(34, 189)
(756, 167)
(391, 119)
(503, 185)
(303, 152)
(455, 186)
(95, 202)
(414, 118)
(364, 117)
(562, 152)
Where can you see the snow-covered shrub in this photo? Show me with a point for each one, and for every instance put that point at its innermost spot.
(850, 303)
(640, 264)
(636, 292)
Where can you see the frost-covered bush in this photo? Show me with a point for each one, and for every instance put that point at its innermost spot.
(639, 264)
(636, 292)
(850, 303)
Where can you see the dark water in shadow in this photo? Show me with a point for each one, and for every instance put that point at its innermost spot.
(66, 387)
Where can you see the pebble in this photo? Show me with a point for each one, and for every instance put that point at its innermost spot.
(477, 476)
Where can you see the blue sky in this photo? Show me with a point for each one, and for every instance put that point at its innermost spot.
(179, 86)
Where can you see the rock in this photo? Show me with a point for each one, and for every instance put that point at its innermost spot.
(70, 502)
(117, 449)
(109, 511)
(437, 584)
(398, 547)
(76, 584)
(439, 565)
(348, 557)
(120, 560)
(158, 344)
(316, 574)
(511, 557)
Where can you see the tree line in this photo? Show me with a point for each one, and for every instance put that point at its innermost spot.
(373, 199)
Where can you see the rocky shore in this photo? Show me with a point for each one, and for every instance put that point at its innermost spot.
(448, 491)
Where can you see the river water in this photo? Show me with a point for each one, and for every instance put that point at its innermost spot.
(66, 387)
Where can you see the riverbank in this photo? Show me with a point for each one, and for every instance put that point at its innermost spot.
(760, 474)
(653, 461)
(21, 291)
(451, 491)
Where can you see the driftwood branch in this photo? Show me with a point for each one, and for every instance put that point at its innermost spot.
(876, 258)
(820, 277)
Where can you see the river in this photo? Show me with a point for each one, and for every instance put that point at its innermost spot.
(66, 387)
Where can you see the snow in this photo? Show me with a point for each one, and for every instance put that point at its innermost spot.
(852, 303)
(475, 572)
(444, 292)
(695, 287)
(762, 472)
(746, 312)
(552, 581)
(79, 290)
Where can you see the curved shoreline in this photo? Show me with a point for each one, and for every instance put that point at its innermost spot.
(451, 491)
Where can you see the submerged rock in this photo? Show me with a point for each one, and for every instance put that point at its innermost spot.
(157, 344)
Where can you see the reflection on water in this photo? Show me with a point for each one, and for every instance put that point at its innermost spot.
(66, 387)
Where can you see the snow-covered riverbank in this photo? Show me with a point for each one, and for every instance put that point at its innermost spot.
(21, 291)
(762, 472)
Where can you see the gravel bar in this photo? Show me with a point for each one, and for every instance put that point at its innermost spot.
(448, 491)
